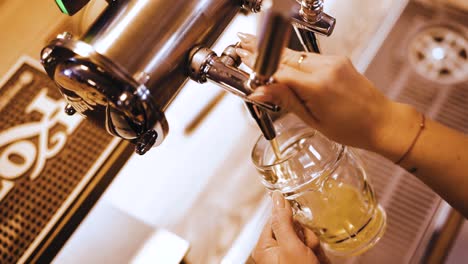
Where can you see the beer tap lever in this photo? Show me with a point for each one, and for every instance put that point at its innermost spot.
(272, 38)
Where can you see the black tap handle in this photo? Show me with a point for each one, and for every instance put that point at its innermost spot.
(71, 7)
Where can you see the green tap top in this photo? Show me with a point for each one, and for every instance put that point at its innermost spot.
(71, 7)
(62, 7)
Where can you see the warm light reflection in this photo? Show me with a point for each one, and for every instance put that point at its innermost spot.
(121, 26)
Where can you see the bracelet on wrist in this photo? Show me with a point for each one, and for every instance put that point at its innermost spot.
(422, 125)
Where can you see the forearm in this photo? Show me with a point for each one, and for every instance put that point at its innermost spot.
(331, 96)
(439, 157)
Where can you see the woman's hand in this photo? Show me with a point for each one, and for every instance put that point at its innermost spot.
(285, 242)
(330, 95)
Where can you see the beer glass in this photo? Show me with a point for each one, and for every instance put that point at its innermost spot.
(326, 185)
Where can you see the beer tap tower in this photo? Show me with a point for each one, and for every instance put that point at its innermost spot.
(131, 63)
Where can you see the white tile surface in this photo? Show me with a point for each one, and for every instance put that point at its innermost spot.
(162, 247)
(106, 235)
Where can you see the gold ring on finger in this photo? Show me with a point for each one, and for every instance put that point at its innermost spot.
(300, 60)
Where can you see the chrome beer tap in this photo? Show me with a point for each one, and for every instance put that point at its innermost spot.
(310, 19)
(272, 38)
(131, 63)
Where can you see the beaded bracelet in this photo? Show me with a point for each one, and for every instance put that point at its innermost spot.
(421, 128)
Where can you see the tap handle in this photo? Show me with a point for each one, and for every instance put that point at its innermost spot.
(272, 38)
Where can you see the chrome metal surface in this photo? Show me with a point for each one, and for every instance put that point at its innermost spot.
(439, 53)
(230, 56)
(126, 69)
(95, 88)
(323, 24)
(445, 226)
(272, 38)
(206, 65)
(311, 10)
(69, 110)
(198, 63)
(252, 5)
(236, 81)
(264, 121)
(308, 40)
(274, 34)
(156, 36)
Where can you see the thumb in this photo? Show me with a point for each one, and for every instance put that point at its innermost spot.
(282, 223)
(286, 99)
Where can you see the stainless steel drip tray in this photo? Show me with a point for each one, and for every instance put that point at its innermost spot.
(422, 62)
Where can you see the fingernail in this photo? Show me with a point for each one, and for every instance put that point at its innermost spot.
(243, 36)
(261, 96)
(278, 199)
(242, 52)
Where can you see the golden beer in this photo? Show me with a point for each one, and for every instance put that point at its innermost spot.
(326, 186)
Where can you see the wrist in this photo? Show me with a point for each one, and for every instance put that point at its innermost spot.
(396, 130)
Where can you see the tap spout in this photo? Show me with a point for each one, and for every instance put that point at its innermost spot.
(205, 66)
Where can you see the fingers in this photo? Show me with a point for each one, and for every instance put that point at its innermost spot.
(282, 223)
(299, 60)
(265, 243)
(266, 239)
(248, 58)
(299, 231)
(312, 242)
(310, 239)
(294, 78)
(303, 61)
(248, 41)
(287, 99)
(321, 256)
(281, 240)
